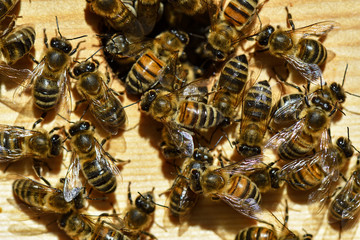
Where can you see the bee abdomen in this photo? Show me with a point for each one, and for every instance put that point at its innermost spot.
(307, 178)
(343, 204)
(234, 75)
(198, 115)
(18, 43)
(239, 12)
(10, 145)
(311, 51)
(182, 200)
(29, 192)
(98, 175)
(143, 73)
(112, 115)
(6, 6)
(256, 233)
(46, 93)
(258, 101)
(243, 188)
(297, 147)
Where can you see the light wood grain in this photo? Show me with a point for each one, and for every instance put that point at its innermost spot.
(140, 144)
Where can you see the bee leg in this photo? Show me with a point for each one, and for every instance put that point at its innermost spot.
(78, 103)
(42, 117)
(38, 167)
(75, 49)
(33, 59)
(129, 194)
(289, 19)
(10, 27)
(148, 234)
(45, 39)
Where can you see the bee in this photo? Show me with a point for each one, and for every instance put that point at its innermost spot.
(301, 138)
(50, 78)
(229, 87)
(346, 204)
(304, 54)
(76, 226)
(18, 143)
(322, 169)
(104, 105)
(228, 25)
(265, 233)
(44, 197)
(165, 107)
(6, 7)
(122, 16)
(16, 43)
(149, 67)
(98, 166)
(189, 7)
(256, 113)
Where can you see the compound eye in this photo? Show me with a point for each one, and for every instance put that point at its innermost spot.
(220, 55)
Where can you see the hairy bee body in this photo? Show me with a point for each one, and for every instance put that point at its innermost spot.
(103, 104)
(94, 168)
(311, 51)
(239, 12)
(6, 6)
(75, 226)
(43, 197)
(103, 231)
(256, 112)
(230, 85)
(256, 233)
(17, 44)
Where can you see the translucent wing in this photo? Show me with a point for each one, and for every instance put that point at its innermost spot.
(106, 159)
(317, 29)
(19, 76)
(245, 167)
(64, 105)
(290, 110)
(285, 135)
(311, 72)
(73, 185)
(180, 139)
(27, 82)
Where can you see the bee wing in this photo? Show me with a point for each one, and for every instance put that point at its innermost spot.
(288, 110)
(249, 207)
(285, 135)
(105, 158)
(181, 138)
(24, 229)
(244, 167)
(311, 72)
(73, 184)
(317, 29)
(64, 105)
(19, 76)
(347, 192)
(28, 81)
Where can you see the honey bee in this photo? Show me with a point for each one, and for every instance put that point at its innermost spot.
(122, 15)
(16, 43)
(189, 7)
(149, 67)
(44, 197)
(322, 169)
(165, 107)
(304, 54)
(265, 233)
(346, 204)
(104, 105)
(301, 138)
(232, 81)
(98, 166)
(6, 7)
(228, 25)
(76, 226)
(50, 78)
(256, 112)
(18, 143)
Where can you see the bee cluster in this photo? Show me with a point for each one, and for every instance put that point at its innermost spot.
(222, 130)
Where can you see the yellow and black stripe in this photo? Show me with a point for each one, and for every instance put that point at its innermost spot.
(6, 6)
(311, 51)
(46, 92)
(239, 12)
(306, 178)
(256, 233)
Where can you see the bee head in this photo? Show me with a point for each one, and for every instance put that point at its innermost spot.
(55, 145)
(146, 202)
(182, 36)
(338, 91)
(274, 178)
(248, 151)
(147, 99)
(264, 36)
(79, 127)
(345, 145)
(61, 44)
(84, 67)
(202, 154)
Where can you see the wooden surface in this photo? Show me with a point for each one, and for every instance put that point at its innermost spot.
(140, 144)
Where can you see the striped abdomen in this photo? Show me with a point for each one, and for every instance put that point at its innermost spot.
(98, 174)
(256, 233)
(11, 145)
(17, 44)
(306, 178)
(6, 6)
(240, 12)
(257, 103)
(234, 75)
(288, 109)
(311, 51)
(110, 113)
(75, 226)
(39, 196)
(103, 231)
(242, 187)
(198, 115)
(46, 92)
(182, 199)
(296, 147)
(143, 73)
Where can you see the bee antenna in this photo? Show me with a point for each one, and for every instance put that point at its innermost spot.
(132, 104)
(57, 26)
(343, 81)
(94, 53)
(355, 148)
(196, 35)
(352, 94)
(348, 133)
(65, 119)
(69, 39)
